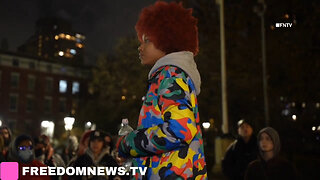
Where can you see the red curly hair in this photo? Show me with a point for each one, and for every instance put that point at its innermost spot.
(169, 26)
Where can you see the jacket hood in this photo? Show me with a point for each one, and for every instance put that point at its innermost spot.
(274, 137)
(104, 152)
(13, 153)
(183, 60)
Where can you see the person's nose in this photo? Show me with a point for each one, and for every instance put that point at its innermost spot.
(140, 48)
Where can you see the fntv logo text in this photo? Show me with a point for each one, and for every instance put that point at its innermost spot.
(283, 24)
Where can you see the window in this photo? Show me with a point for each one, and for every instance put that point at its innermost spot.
(49, 85)
(75, 87)
(47, 104)
(49, 68)
(62, 105)
(31, 83)
(14, 81)
(15, 62)
(13, 103)
(30, 104)
(63, 86)
(32, 65)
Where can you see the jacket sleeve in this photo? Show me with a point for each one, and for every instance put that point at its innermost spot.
(177, 105)
(228, 167)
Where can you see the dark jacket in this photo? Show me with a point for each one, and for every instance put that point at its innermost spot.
(274, 169)
(86, 160)
(238, 155)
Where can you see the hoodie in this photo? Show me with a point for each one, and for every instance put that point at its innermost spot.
(183, 60)
(274, 137)
(168, 138)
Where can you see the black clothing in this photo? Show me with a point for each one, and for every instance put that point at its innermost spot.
(238, 155)
(274, 169)
(86, 160)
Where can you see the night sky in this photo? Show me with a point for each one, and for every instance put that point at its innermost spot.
(101, 21)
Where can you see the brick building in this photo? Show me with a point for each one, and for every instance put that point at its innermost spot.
(36, 89)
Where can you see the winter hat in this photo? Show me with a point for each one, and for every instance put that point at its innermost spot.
(97, 135)
(242, 121)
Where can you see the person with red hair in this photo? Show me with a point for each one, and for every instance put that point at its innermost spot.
(168, 139)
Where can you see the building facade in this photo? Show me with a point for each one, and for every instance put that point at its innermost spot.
(36, 89)
(54, 38)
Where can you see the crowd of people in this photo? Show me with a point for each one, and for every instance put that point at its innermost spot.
(94, 150)
(252, 157)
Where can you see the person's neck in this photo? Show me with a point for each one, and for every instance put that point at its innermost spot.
(267, 155)
(246, 139)
(96, 154)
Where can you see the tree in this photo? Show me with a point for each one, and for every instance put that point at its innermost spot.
(119, 82)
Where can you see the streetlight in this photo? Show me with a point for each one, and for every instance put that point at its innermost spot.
(68, 121)
(90, 126)
(260, 10)
(206, 125)
(47, 128)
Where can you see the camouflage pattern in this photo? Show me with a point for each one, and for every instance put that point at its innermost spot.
(168, 139)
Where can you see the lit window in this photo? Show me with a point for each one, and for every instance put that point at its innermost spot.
(62, 35)
(73, 51)
(63, 86)
(61, 53)
(79, 45)
(14, 81)
(56, 37)
(68, 37)
(13, 102)
(31, 83)
(75, 87)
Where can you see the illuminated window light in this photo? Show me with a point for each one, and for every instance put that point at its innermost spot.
(123, 97)
(56, 37)
(73, 51)
(75, 87)
(61, 53)
(62, 35)
(68, 37)
(79, 45)
(294, 117)
(63, 86)
(314, 128)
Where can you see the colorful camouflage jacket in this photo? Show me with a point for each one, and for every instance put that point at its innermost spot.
(168, 139)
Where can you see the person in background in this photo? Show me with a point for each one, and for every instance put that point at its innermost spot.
(269, 164)
(97, 154)
(21, 151)
(44, 152)
(168, 139)
(5, 132)
(241, 152)
(2, 155)
(83, 145)
(71, 149)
